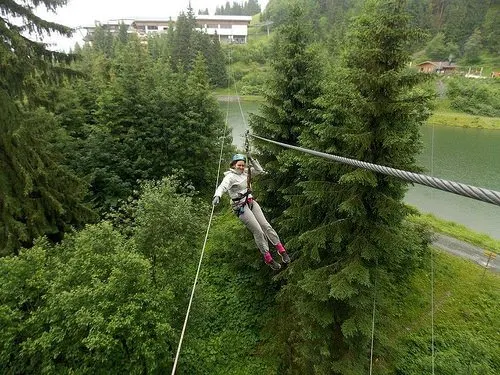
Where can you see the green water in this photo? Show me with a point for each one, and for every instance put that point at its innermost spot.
(470, 156)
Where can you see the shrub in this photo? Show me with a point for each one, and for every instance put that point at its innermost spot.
(474, 96)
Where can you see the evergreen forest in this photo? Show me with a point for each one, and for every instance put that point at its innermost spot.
(109, 159)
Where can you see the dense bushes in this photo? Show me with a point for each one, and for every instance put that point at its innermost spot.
(101, 302)
(475, 96)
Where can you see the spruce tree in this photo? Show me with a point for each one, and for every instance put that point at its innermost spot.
(287, 109)
(144, 121)
(37, 194)
(183, 52)
(350, 223)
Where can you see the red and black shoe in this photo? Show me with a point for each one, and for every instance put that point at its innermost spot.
(282, 252)
(271, 262)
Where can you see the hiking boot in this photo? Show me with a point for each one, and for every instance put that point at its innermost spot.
(271, 262)
(282, 252)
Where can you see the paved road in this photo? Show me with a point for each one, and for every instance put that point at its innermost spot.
(465, 250)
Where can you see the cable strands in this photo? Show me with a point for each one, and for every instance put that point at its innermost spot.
(481, 194)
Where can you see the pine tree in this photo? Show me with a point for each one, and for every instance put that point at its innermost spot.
(491, 29)
(113, 157)
(37, 195)
(462, 17)
(183, 53)
(143, 121)
(102, 40)
(472, 47)
(215, 58)
(195, 134)
(289, 107)
(252, 7)
(349, 222)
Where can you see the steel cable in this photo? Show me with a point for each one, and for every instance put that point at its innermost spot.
(481, 194)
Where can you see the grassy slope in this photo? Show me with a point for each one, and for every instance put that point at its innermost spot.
(466, 320)
(444, 115)
(458, 231)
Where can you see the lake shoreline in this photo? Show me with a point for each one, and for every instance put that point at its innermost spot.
(438, 118)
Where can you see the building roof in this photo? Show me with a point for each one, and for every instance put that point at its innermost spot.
(222, 18)
(439, 64)
(163, 20)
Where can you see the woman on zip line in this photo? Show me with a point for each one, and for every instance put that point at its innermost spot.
(236, 183)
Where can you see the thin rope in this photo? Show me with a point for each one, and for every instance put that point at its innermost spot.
(223, 138)
(432, 266)
(373, 324)
(432, 309)
(192, 294)
(482, 194)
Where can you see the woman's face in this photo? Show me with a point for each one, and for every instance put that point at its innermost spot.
(240, 166)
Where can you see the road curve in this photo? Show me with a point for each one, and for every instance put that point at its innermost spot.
(465, 250)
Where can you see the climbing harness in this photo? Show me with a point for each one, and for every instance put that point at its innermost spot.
(246, 198)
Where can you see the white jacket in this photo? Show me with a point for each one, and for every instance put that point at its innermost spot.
(235, 183)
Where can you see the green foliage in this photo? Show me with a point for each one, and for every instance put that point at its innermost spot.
(444, 115)
(248, 65)
(491, 29)
(327, 17)
(475, 96)
(452, 22)
(20, 57)
(233, 299)
(462, 18)
(139, 118)
(472, 47)
(103, 41)
(246, 8)
(255, 51)
(348, 225)
(96, 309)
(100, 303)
(438, 49)
(38, 194)
(289, 105)
(458, 231)
(167, 231)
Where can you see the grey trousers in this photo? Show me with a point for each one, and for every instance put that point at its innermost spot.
(256, 222)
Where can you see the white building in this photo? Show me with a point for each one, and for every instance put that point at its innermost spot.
(230, 29)
(233, 29)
